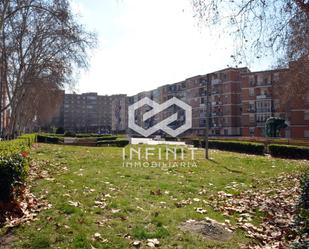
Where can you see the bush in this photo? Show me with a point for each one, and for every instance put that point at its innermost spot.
(300, 245)
(29, 139)
(93, 135)
(13, 172)
(115, 143)
(289, 151)
(13, 166)
(105, 138)
(235, 146)
(47, 139)
(69, 134)
(196, 143)
(60, 130)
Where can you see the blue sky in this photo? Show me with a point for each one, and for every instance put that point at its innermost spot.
(147, 43)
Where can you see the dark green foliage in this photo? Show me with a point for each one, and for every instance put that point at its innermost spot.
(289, 151)
(300, 245)
(274, 125)
(236, 146)
(69, 134)
(47, 139)
(105, 138)
(13, 166)
(13, 172)
(115, 143)
(60, 130)
(81, 135)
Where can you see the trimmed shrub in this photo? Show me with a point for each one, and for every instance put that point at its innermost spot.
(235, 146)
(115, 143)
(13, 167)
(94, 135)
(106, 138)
(69, 134)
(13, 172)
(60, 130)
(196, 143)
(47, 139)
(289, 151)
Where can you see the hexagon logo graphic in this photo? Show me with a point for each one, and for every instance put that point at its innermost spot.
(163, 125)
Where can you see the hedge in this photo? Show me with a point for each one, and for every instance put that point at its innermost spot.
(47, 139)
(235, 146)
(105, 138)
(289, 151)
(115, 143)
(14, 166)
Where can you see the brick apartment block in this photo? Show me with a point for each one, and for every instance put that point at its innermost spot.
(90, 112)
(240, 101)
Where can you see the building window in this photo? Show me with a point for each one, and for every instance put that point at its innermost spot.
(276, 77)
(251, 118)
(251, 80)
(265, 81)
(306, 115)
(251, 106)
(251, 131)
(306, 133)
(251, 92)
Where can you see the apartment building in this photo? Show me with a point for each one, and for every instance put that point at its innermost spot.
(226, 102)
(297, 108)
(224, 98)
(264, 95)
(90, 112)
(259, 100)
(239, 102)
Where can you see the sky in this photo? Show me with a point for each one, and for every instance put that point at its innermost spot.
(144, 44)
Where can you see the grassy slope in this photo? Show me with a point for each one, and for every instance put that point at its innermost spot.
(84, 175)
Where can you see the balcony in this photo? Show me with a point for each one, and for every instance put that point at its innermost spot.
(216, 81)
(263, 96)
(260, 123)
(263, 110)
(217, 114)
(216, 103)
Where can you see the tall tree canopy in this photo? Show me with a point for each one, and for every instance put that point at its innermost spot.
(40, 44)
(260, 26)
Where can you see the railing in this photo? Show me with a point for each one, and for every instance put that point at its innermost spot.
(263, 96)
(216, 81)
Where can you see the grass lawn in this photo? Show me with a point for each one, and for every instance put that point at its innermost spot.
(98, 203)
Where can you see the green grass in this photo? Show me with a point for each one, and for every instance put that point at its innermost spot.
(140, 202)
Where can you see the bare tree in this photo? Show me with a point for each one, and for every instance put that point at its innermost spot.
(260, 27)
(41, 43)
